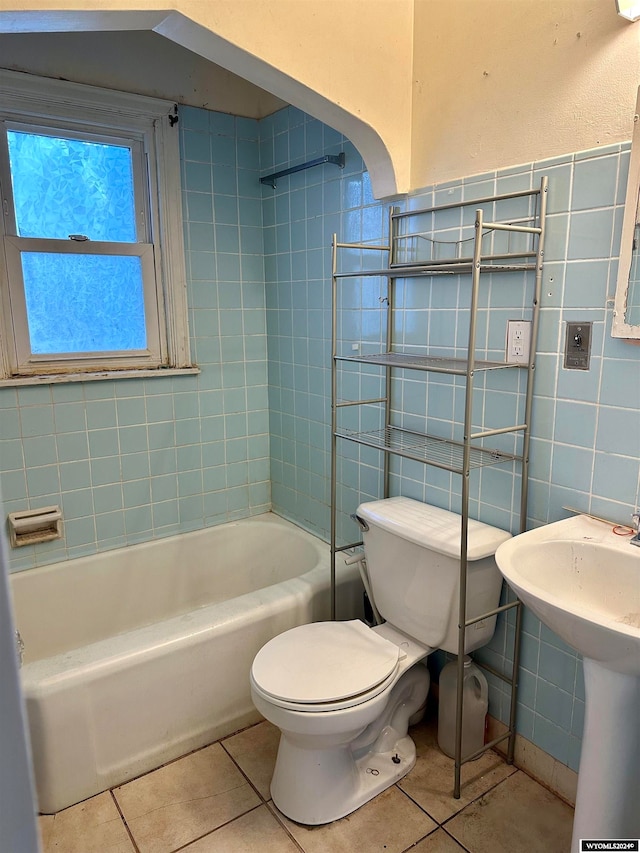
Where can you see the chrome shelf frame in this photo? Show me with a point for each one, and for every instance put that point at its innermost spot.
(432, 364)
(458, 457)
(421, 447)
(448, 267)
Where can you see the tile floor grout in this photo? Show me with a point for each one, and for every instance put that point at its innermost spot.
(273, 809)
(263, 801)
(122, 818)
(251, 751)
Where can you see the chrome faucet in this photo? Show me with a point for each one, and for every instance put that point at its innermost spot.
(636, 520)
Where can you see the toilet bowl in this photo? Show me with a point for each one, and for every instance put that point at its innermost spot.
(342, 693)
(340, 745)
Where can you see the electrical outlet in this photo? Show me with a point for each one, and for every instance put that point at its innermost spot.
(518, 341)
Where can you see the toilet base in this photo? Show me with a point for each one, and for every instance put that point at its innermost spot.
(330, 784)
(315, 786)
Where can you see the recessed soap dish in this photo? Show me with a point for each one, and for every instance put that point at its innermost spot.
(30, 526)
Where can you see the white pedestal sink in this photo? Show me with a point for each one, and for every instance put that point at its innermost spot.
(583, 582)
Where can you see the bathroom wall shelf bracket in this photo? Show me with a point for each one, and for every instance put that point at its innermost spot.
(334, 159)
(506, 236)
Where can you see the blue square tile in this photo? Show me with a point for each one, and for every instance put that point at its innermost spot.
(247, 128)
(34, 395)
(223, 150)
(586, 284)
(36, 420)
(14, 485)
(615, 478)
(555, 246)
(75, 476)
(590, 234)
(107, 498)
(44, 480)
(618, 431)
(551, 738)
(595, 183)
(201, 238)
(580, 384)
(10, 424)
(135, 466)
(77, 504)
(101, 414)
(136, 493)
(198, 177)
(192, 118)
(620, 386)
(572, 467)
(133, 439)
(554, 704)
(70, 417)
(196, 146)
(575, 423)
(80, 531)
(39, 450)
(222, 123)
(8, 398)
(72, 446)
(110, 525)
(227, 238)
(199, 207)
(138, 521)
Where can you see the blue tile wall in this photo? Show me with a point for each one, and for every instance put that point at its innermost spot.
(130, 460)
(136, 459)
(584, 450)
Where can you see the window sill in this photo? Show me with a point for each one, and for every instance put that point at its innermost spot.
(56, 378)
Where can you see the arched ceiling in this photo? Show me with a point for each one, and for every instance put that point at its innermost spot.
(249, 43)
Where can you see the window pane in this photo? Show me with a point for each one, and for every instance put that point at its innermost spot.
(83, 303)
(68, 186)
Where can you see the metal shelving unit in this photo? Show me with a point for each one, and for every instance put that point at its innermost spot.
(403, 254)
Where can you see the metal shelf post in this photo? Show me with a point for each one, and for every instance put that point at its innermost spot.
(457, 457)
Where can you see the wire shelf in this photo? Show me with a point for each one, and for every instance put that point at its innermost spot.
(449, 267)
(435, 364)
(439, 452)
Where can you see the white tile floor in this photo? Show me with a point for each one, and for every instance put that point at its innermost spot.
(216, 800)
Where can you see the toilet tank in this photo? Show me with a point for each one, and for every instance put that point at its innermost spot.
(413, 559)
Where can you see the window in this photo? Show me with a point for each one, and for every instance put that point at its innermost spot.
(92, 269)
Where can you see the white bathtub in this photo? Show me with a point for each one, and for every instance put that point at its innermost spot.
(136, 656)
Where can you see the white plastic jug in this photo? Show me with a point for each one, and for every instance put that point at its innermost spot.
(474, 708)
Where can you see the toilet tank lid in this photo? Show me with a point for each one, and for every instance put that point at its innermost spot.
(431, 527)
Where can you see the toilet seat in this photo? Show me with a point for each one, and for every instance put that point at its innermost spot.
(325, 666)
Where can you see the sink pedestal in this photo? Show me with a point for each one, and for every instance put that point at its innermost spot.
(583, 582)
(609, 778)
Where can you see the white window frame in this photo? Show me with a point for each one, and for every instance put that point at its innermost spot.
(148, 125)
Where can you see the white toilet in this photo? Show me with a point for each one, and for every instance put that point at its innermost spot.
(342, 693)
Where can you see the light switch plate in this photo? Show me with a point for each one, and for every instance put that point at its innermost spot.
(577, 346)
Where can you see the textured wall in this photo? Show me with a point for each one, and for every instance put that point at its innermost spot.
(428, 90)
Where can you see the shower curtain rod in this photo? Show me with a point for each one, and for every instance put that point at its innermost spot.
(335, 159)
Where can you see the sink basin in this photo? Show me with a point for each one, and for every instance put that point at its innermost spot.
(583, 582)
